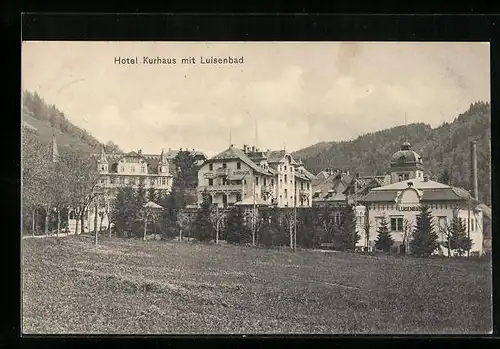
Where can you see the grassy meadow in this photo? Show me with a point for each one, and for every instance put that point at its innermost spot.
(129, 286)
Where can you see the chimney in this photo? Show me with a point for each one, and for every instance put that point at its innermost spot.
(139, 151)
(426, 177)
(244, 148)
(473, 174)
(253, 148)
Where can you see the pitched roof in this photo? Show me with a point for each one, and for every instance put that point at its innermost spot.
(418, 183)
(275, 155)
(337, 183)
(233, 153)
(379, 196)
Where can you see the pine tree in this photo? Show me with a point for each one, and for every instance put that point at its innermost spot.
(236, 232)
(202, 227)
(445, 177)
(384, 239)
(457, 237)
(347, 237)
(424, 239)
(123, 210)
(138, 215)
(152, 195)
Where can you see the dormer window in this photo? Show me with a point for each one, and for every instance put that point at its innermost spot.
(238, 165)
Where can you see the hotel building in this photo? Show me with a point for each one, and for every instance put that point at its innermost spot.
(249, 175)
(131, 169)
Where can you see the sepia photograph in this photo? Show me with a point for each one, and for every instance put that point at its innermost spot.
(255, 188)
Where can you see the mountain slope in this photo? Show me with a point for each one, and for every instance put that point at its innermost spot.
(445, 147)
(48, 120)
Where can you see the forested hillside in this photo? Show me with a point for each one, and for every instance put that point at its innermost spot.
(444, 149)
(49, 120)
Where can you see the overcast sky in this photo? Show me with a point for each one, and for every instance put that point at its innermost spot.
(298, 93)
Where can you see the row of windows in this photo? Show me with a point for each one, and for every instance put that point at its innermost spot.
(285, 168)
(397, 223)
(140, 180)
(132, 169)
(394, 207)
(224, 165)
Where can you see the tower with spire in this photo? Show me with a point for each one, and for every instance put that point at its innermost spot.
(163, 167)
(103, 162)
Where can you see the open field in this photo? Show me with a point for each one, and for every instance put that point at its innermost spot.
(156, 287)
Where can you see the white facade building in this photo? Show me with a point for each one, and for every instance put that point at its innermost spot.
(400, 203)
(250, 176)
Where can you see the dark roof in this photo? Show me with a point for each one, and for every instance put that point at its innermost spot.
(233, 153)
(379, 196)
(275, 155)
(338, 183)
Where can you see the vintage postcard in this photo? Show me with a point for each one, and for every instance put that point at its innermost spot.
(256, 188)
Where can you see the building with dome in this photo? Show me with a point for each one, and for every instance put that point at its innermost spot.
(400, 202)
(406, 164)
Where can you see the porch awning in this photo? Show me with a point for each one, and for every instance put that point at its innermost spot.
(249, 201)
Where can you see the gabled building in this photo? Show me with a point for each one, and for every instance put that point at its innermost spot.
(267, 177)
(132, 169)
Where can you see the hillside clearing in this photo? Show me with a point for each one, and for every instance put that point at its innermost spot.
(135, 287)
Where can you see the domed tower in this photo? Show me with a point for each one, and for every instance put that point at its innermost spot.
(163, 164)
(406, 164)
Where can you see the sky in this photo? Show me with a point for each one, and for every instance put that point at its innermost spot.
(284, 95)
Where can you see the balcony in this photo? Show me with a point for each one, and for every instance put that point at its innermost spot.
(266, 189)
(304, 193)
(232, 188)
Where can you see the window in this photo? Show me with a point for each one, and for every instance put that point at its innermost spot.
(103, 180)
(163, 181)
(285, 167)
(112, 180)
(286, 178)
(210, 181)
(272, 181)
(307, 185)
(152, 181)
(122, 168)
(286, 193)
(264, 181)
(442, 222)
(141, 180)
(336, 218)
(256, 180)
(238, 165)
(396, 223)
(143, 168)
(224, 165)
(301, 185)
(103, 168)
(211, 167)
(122, 180)
(291, 169)
(132, 168)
